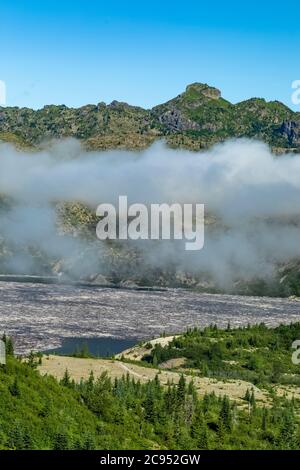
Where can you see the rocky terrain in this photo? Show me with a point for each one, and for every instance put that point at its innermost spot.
(196, 119)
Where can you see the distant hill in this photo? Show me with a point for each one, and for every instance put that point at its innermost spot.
(197, 118)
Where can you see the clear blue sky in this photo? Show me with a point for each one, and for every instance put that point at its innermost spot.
(77, 52)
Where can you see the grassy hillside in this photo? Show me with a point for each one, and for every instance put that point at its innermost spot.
(37, 412)
(256, 353)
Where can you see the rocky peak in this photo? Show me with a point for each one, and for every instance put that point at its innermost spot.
(117, 105)
(203, 89)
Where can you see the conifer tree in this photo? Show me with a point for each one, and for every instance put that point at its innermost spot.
(66, 380)
(247, 395)
(264, 420)
(181, 390)
(9, 345)
(225, 413)
(252, 400)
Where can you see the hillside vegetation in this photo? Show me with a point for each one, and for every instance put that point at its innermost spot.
(256, 353)
(38, 412)
(197, 118)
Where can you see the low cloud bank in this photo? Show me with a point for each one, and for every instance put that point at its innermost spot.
(252, 202)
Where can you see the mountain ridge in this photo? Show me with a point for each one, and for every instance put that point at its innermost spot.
(195, 119)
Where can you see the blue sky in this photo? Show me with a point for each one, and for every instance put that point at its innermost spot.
(77, 52)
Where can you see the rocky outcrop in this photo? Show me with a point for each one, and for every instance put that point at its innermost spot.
(291, 130)
(174, 120)
(204, 90)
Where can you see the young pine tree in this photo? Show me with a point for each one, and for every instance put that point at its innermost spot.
(225, 414)
(66, 380)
